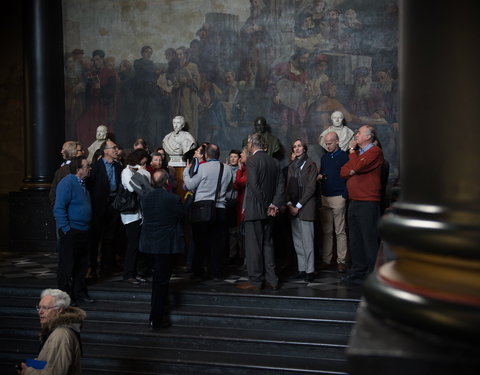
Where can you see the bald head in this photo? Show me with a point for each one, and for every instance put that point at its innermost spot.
(159, 178)
(331, 141)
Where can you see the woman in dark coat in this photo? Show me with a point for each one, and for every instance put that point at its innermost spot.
(301, 185)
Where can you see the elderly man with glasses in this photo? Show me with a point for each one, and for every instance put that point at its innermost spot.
(102, 184)
(60, 345)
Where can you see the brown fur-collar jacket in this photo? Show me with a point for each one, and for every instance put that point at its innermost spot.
(61, 348)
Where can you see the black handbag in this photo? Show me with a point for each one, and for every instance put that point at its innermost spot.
(205, 210)
(125, 201)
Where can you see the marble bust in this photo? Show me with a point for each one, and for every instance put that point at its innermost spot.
(178, 142)
(345, 134)
(101, 136)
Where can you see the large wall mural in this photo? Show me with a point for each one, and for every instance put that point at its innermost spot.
(135, 64)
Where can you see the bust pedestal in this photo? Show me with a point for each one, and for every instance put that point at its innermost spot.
(177, 161)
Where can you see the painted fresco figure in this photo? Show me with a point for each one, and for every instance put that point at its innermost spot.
(178, 142)
(126, 102)
(333, 30)
(365, 97)
(74, 89)
(305, 26)
(101, 92)
(352, 30)
(186, 84)
(256, 42)
(319, 112)
(317, 8)
(288, 87)
(152, 104)
(318, 76)
(210, 113)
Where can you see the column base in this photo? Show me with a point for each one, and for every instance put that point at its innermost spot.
(380, 347)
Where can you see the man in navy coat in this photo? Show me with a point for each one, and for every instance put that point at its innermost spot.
(161, 237)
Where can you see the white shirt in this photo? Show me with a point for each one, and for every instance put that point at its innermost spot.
(127, 174)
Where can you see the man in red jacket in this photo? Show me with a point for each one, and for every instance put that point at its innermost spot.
(363, 172)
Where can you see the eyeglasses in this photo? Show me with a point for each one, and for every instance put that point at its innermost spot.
(45, 308)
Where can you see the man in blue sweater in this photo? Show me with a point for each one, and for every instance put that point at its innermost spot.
(334, 195)
(73, 213)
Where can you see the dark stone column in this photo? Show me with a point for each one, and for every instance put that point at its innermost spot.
(32, 227)
(44, 91)
(422, 311)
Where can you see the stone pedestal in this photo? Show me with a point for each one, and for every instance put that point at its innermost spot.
(377, 347)
(32, 225)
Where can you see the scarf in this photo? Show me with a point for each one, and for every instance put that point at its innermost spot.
(296, 187)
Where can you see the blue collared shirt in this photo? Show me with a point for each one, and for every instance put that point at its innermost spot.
(365, 149)
(111, 175)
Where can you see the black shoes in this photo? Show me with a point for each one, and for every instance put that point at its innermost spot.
(155, 326)
(353, 278)
(133, 281)
(298, 276)
(309, 277)
(136, 280)
(268, 286)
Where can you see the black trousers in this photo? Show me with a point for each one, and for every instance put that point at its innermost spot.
(210, 239)
(133, 235)
(104, 230)
(363, 235)
(162, 271)
(73, 263)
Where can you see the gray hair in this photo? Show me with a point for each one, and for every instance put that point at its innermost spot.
(257, 140)
(69, 149)
(61, 298)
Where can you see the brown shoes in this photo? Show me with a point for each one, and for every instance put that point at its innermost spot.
(341, 268)
(247, 286)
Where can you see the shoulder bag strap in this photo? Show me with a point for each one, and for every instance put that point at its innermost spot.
(219, 182)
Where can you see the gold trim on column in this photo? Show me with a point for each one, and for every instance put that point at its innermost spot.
(440, 277)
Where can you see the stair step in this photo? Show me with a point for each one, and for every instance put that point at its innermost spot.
(208, 298)
(214, 331)
(142, 307)
(24, 327)
(156, 358)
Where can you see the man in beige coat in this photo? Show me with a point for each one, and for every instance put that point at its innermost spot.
(60, 347)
